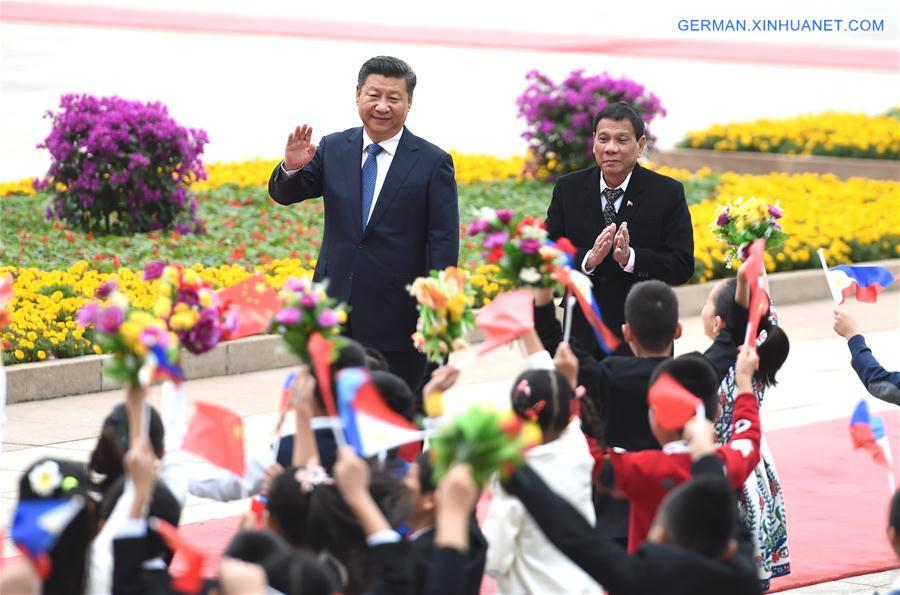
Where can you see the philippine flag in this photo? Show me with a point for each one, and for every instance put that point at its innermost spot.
(867, 433)
(369, 424)
(580, 285)
(39, 523)
(867, 281)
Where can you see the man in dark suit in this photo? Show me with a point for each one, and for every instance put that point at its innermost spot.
(391, 211)
(628, 223)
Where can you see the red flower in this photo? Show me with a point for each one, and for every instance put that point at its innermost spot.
(495, 254)
(566, 246)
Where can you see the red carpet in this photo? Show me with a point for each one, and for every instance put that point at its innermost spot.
(837, 501)
(679, 46)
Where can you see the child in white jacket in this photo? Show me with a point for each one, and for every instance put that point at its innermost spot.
(519, 557)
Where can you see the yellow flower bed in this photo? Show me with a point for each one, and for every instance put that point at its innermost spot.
(820, 211)
(45, 303)
(830, 133)
(470, 167)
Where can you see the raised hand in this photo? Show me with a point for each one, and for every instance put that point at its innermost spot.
(601, 247)
(844, 324)
(299, 149)
(622, 250)
(566, 363)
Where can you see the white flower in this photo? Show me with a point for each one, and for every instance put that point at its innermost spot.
(530, 275)
(45, 478)
(488, 214)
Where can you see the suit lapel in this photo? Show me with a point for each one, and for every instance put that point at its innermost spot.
(350, 158)
(591, 205)
(631, 202)
(401, 165)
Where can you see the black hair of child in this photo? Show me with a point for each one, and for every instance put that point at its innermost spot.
(700, 515)
(651, 312)
(696, 374)
(773, 351)
(69, 556)
(107, 458)
(543, 396)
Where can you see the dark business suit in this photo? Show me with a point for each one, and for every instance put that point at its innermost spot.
(413, 228)
(659, 226)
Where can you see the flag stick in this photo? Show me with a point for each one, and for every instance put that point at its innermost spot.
(834, 294)
(570, 303)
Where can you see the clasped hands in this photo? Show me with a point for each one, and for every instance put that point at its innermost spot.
(610, 238)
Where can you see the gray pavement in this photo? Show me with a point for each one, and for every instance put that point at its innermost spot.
(816, 384)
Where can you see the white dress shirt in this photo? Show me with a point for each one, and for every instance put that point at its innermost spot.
(629, 267)
(383, 159)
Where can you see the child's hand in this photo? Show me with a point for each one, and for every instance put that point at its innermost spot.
(351, 473)
(441, 379)
(140, 465)
(747, 364)
(844, 324)
(567, 364)
(543, 296)
(742, 292)
(700, 435)
(457, 492)
(302, 393)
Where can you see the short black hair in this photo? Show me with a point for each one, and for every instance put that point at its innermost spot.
(396, 393)
(773, 351)
(543, 396)
(651, 312)
(700, 515)
(894, 515)
(256, 546)
(619, 111)
(107, 458)
(299, 573)
(695, 373)
(375, 360)
(390, 67)
(289, 507)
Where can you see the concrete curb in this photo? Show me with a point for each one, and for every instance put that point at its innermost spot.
(58, 378)
(764, 163)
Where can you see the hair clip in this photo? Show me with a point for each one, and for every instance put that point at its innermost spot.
(763, 335)
(534, 411)
(45, 478)
(310, 477)
(523, 388)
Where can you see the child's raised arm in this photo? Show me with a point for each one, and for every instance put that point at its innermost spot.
(305, 448)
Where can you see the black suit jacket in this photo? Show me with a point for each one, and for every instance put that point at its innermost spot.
(659, 226)
(413, 228)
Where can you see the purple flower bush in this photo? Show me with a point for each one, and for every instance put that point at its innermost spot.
(122, 166)
(559, 117)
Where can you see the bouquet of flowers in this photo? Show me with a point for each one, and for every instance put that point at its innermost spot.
(142, 346)
(485, 439)
(6, 294)
(445, 312)
(744, 220)
(307, 309)
(190, 306)
(520, 247)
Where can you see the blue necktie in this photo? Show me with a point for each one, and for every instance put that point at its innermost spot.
(369, 173)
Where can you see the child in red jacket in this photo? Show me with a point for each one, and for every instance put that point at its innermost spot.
(679, 389)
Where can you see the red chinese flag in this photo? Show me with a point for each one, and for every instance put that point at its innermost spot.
(255, 301)
(321, 351)
(192, 579)
(759, 299)
(505, 319)
(672, 404)
(217, 435)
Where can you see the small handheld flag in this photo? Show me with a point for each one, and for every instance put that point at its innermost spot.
(255, 302)
(867, 432)
(217, 434)
(369, 424)
(505, 319)
(580, 286)
(38, 524)
(191, 581)
(672, 404)
(866, 281)
(759, 299)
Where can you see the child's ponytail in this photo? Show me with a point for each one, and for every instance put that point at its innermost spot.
(544, 397)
